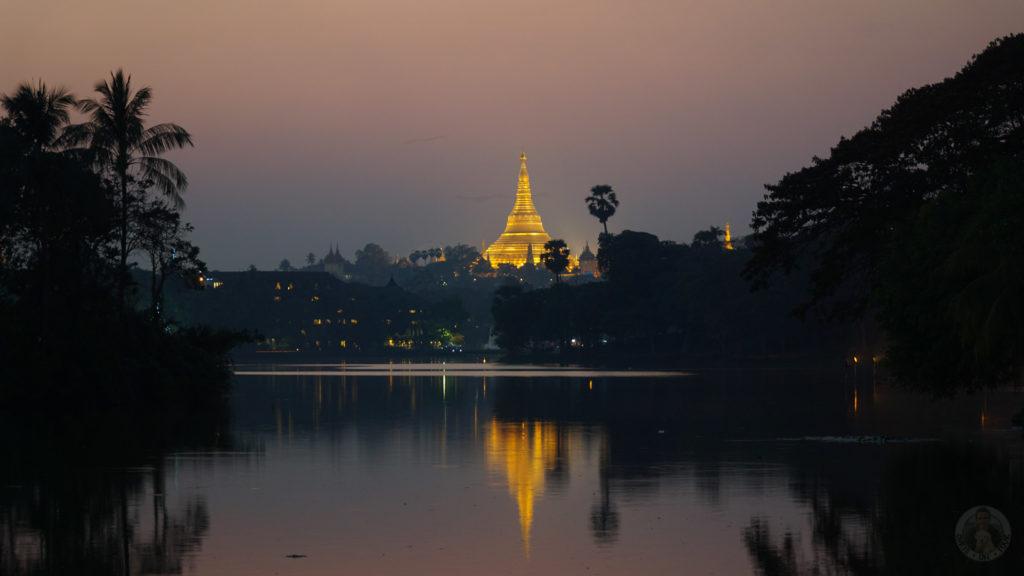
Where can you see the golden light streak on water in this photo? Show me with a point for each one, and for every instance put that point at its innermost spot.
(522, 453)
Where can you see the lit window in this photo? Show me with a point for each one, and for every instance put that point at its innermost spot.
(290, 285)
(317, 321)
(354, 321)
(277, 298)
(314, 299)
(277, 286)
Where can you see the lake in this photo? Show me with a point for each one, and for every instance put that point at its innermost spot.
(483, 468)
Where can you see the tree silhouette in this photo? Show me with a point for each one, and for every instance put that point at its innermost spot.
(310, 259)
(54, 211)
(372, 263)
(121, 145)
(602, 204)
(840, 216)
(555, 257)
(161, 235)
(901, 221)
(713, 237)
(38, 114)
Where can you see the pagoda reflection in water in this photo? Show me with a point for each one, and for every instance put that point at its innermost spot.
(522, 453)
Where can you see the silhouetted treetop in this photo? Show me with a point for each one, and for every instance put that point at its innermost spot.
(838, 216)
(602, 203)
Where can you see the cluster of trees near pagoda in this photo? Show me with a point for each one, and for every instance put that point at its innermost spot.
(914, 225)
(77, 203)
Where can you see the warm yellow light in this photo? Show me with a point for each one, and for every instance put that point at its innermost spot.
(524, 236)
(522, 454)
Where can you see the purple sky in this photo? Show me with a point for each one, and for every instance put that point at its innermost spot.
(401, 122)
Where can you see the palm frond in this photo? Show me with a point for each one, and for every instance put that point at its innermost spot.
(166, 176)
(162, 138)
(138, 103)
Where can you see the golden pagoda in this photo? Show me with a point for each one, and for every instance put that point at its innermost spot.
(524, 234)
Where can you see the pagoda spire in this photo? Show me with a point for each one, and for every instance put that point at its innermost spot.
(524, 233)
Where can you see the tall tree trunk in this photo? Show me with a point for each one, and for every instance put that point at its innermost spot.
(123, 269)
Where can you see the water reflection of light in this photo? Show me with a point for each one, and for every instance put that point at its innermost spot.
(522, 452)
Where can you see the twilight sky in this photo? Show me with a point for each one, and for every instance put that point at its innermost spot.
(400, 122)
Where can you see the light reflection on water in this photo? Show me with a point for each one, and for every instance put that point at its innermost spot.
(371, 470)
(444, 368)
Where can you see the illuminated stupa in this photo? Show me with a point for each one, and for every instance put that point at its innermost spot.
(524, 234)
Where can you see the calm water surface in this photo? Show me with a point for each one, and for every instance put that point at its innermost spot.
(483, 468)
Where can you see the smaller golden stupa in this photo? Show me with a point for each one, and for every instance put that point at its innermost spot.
(524, 235)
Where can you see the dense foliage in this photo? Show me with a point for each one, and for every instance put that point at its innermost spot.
(662, 301)
(72, 329)
(917, 218)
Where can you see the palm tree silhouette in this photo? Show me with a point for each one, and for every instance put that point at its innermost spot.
(39, 114)
(602, 203)
(556, 257)
(122, 145)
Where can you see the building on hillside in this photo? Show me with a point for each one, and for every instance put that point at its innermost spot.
(588, 263)
(334, 264)
(524, 233)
